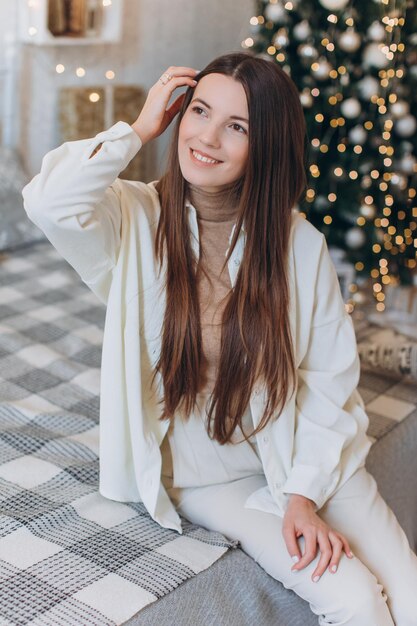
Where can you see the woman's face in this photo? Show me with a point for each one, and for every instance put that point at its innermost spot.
(216, 125)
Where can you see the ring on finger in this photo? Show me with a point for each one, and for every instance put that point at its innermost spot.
(168, 77)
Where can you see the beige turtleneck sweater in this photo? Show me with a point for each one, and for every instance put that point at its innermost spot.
(216, 214)
(189, 457)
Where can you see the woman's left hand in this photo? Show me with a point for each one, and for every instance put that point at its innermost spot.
(301, 519)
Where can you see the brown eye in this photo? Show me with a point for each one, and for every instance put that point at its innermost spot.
(239, 126)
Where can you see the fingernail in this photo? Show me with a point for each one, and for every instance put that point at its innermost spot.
(295, 558)
(316, 579)
(194, 81)
(333, 568)
(350, 555)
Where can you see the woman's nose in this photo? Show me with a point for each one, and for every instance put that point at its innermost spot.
(210, 136)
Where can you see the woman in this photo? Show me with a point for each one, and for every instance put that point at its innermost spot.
(224, 314)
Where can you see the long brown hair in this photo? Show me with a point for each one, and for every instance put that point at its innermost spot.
(256, 338)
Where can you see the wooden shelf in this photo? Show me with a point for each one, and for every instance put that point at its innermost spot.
(35, 16)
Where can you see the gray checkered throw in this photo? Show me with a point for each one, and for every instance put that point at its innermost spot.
(69, 556)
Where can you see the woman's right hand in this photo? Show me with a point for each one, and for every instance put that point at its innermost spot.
(301, 519)
(155, 117)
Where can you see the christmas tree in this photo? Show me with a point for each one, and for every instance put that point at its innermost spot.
(356, 72)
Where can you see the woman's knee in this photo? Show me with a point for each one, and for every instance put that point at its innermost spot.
(401, 588)
(369, 607)
(352, 597)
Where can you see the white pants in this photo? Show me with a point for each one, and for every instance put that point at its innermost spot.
(376, 588)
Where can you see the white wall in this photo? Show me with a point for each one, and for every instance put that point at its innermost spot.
(9, 72)
(156, 34)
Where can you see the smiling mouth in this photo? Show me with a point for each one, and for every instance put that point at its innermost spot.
(201, 160)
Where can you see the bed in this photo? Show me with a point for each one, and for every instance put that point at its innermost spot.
(68, 556)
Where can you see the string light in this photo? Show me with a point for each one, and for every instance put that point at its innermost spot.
(35, 8)
(247, 43)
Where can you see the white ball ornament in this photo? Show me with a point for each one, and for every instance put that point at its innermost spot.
(359, 296)
(350, 40)
(301, 30)
(368, 210)
(351, 108)
(399, 181)
(307, 51)
(323, 69)
(374, 57)
(406, 126)
(275, 13)
(407, 164)
(401, 108)
(357, 135)
(376, 31)
(355, 238)
(306, 99)
(281, 39)
(368, 87)
(334, 5)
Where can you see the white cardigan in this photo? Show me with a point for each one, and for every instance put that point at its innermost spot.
(105, 227)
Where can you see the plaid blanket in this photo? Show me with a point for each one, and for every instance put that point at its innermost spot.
(69, 556)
